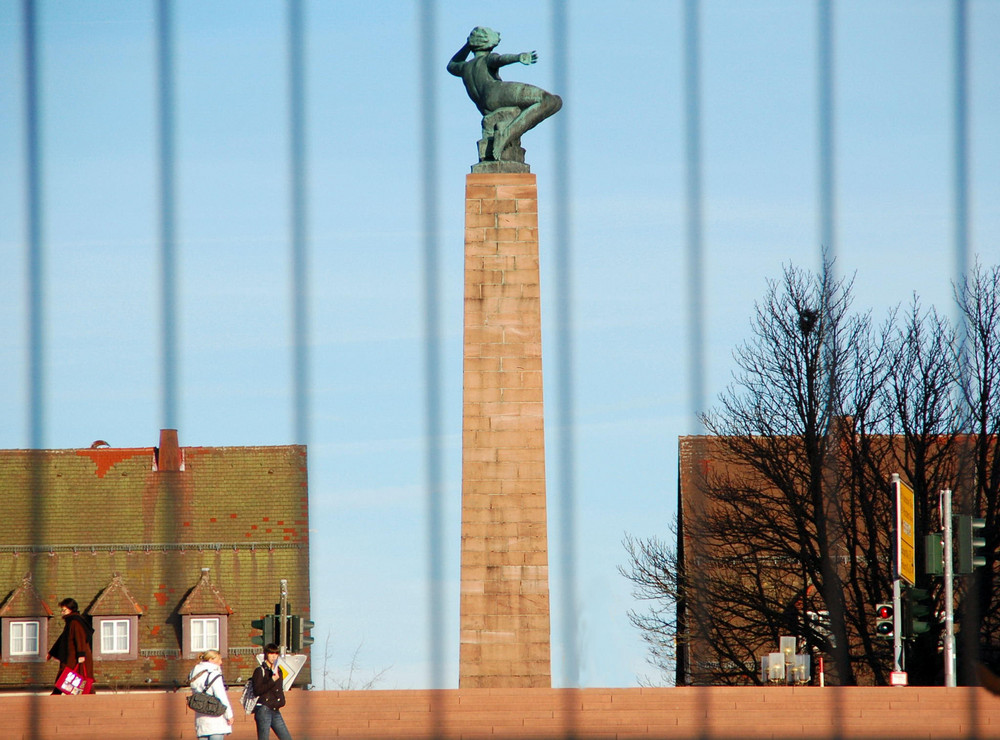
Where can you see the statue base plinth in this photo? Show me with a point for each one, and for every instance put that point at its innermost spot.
(501, 166)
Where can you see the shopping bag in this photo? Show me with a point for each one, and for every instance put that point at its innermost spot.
(71, 682)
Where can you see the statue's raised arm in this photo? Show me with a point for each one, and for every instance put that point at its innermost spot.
(509, 108)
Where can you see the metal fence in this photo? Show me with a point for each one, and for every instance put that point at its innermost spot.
(829, 23)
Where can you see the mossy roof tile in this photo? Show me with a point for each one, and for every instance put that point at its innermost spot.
(115, 600)
(25, 601)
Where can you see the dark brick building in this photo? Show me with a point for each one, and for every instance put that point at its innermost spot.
(168, 550)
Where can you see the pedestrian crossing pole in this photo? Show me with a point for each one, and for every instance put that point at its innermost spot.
(904, 570)
(949, 603)
(283, 616)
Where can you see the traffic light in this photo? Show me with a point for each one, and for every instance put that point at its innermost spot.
(284, 640)
(918, 611)
(969, 543)
(883, 620)
(298, 627)
(268, 626)
(299, 637)
(933, 555)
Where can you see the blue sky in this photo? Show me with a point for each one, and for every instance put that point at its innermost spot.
(894, 208)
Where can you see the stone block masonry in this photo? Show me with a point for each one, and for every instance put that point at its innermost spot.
(682, 713)
(504, 617)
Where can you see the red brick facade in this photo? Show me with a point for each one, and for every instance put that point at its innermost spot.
(149, 539)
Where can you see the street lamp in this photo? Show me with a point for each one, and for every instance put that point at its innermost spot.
(786, 666)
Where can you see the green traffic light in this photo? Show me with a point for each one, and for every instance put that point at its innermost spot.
(918, 609)
(969, 543)
(305, 626)
(298, 627)
(269, 628)
(933, 554)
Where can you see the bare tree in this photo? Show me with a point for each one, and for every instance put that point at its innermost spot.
(803, 396)
(352, 681)
(793, 525)
(924, 418)
(653, 570)
(979, 359)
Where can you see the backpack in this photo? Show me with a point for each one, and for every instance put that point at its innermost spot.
(204, 703)
(249, 698)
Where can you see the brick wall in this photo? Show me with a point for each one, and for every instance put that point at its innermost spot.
(724, 713)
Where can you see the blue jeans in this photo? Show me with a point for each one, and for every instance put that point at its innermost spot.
(211, 737)
(268, 719)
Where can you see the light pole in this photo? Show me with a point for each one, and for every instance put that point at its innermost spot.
(949, 602)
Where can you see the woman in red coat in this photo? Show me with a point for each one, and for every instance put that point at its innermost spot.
(72, 649)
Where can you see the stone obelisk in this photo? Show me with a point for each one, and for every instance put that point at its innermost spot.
(504, 616)
(504, 583)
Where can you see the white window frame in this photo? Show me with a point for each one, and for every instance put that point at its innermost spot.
(18, 643)
(111, 643)
(200, 638)
(117, 630)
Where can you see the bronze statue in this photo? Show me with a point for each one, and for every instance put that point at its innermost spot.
(509, 108)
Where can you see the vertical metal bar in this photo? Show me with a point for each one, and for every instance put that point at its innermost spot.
(432, 348)
(565, 368)
(828, 254)
(695, 281)
(168, 260)
(297, 178)
(299, 213)
(970, 614)
(36, 294)
(695, 266)
(168, 287)
(961, 134)
(827, 213)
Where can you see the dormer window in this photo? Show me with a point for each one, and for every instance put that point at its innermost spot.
(24, 636)
(115, 636)
(204, 619)
(115, 614)
(204, 633)
(24, 625)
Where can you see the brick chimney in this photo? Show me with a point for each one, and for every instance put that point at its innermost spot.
(168, 454)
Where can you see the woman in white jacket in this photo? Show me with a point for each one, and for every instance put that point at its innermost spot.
(205, 725)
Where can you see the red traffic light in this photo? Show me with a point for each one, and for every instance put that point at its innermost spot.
(884, 626)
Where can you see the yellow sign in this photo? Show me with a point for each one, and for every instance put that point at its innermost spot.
(905, 533)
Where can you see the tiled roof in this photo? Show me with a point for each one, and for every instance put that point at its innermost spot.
(77, 517)
(25, 601)
(204, 599)
(115, 600)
